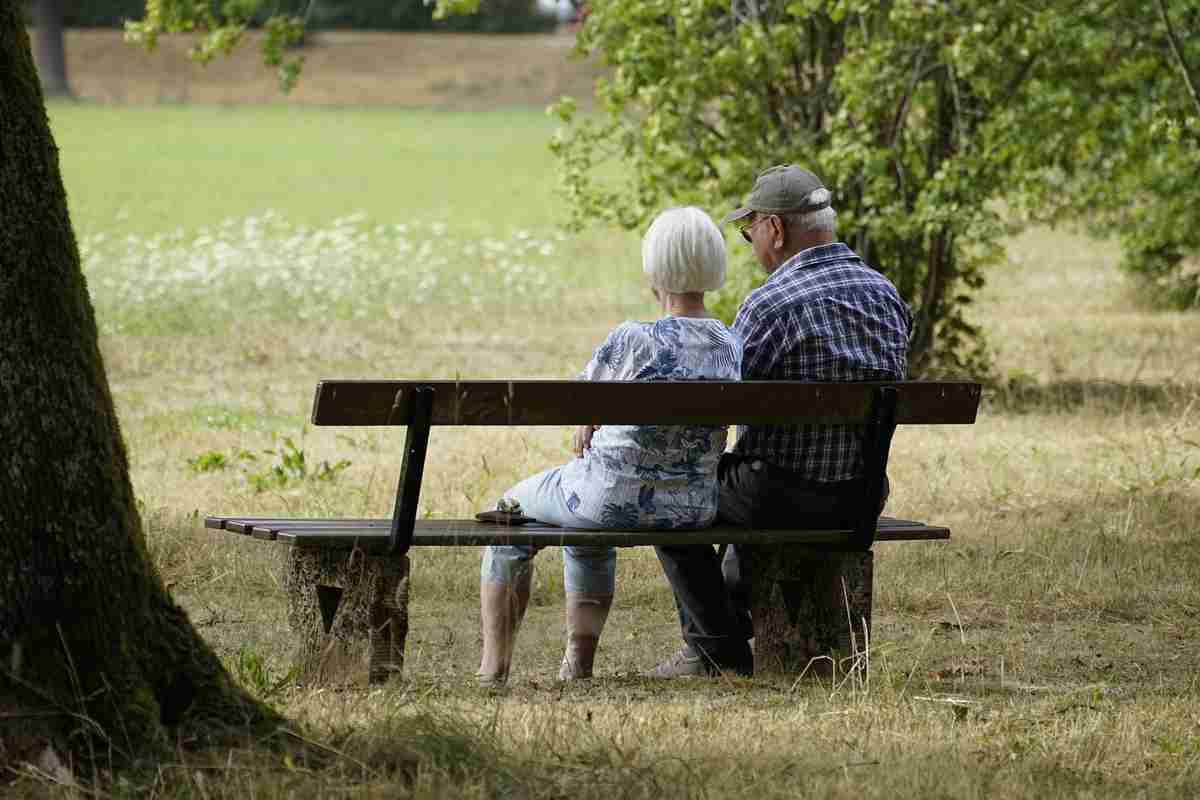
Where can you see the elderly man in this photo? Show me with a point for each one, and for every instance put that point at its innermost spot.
(822, 315)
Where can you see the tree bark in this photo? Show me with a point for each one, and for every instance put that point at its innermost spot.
(348, 612)
(95, 657)
(50, 53)
(811, 610)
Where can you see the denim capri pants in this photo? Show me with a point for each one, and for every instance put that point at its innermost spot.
(587, 569)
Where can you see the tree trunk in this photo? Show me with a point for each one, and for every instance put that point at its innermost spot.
(94, 655)
(811, 610)
(348, 612)
(49, 52)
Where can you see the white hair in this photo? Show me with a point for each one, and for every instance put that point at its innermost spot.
(684, 251)
(824, 219)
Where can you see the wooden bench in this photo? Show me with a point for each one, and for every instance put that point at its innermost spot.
(347, 579)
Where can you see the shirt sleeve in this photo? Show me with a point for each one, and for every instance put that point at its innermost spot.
(761, 342)
(607, 363)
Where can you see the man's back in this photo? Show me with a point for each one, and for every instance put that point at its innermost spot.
(824, 315)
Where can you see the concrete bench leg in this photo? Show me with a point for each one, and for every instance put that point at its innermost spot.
(349, 611)
(809, 604)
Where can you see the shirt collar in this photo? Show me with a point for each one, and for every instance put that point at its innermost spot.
(813, 256)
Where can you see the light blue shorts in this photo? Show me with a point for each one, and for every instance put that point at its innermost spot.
(587, 569)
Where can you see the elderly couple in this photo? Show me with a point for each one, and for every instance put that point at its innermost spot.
(822, 315)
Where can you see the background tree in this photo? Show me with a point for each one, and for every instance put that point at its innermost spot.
(927, 119)
(95, 657)
(49, 49)
(1120, 131)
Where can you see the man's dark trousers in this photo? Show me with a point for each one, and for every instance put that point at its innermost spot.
(713, 597)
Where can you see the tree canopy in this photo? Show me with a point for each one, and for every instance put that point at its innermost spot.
(932, 121)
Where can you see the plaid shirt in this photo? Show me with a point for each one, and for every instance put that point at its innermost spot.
(823, 315)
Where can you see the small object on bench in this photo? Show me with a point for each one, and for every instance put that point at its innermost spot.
(498, 517)
(506, 512)
(347, 579)
(508, 505)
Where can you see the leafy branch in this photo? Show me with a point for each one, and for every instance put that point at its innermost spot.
(1173, 39)
(221, 33)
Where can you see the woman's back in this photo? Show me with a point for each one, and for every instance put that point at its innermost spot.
(655, 476)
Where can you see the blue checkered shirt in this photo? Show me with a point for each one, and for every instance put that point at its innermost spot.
(823, 315)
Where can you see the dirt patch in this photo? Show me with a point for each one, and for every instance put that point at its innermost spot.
(342, 68)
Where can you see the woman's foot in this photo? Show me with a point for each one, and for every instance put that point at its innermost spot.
(501, 608)
(578, 658)
(586, 615)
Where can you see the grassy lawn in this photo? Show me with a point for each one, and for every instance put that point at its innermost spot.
(237, 255)
(153, 169)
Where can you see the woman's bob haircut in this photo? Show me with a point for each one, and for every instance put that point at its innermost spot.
(683, 251)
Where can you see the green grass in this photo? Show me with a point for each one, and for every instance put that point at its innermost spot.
(1050, 649)
(192, 219)
(151, 170)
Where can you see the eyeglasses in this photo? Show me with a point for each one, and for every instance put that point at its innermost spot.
(745, 229)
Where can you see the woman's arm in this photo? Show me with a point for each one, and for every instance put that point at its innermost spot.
(582, 439)
(608, 361)
(606, 364)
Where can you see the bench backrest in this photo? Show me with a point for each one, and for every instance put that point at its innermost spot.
(641, 402)
(876, 407)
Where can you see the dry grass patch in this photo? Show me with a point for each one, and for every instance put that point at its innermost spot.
(341, 68)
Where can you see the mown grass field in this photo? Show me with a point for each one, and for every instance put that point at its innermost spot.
(237, 255)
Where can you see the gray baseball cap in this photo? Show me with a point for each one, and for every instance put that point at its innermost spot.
(781, 189)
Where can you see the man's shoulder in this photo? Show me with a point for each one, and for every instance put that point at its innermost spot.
(838, 273)
(765, 304)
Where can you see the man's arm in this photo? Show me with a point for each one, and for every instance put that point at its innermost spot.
(762, 340)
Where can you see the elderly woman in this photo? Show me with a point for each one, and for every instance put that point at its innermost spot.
(624, 476)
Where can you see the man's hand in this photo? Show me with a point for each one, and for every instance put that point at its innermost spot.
(582, 438)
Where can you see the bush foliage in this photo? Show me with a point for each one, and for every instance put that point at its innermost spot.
(926, 118)
(1122, 130)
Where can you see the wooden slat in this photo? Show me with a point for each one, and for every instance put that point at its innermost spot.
(247, 527)
(243, 524)
(640, 402)
(268, 530)
(443, 532)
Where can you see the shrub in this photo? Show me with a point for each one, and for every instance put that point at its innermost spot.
(924, 118)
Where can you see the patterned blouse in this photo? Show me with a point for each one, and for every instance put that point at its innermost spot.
(654, 476)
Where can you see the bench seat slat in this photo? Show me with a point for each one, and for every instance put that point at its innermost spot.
(268, 530)
(243, 524)
(372, 534)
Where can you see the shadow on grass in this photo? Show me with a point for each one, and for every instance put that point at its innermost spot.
(437, 753)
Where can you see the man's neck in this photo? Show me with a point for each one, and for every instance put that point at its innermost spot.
(793, 247)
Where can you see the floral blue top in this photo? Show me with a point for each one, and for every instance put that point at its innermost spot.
(654, 476)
